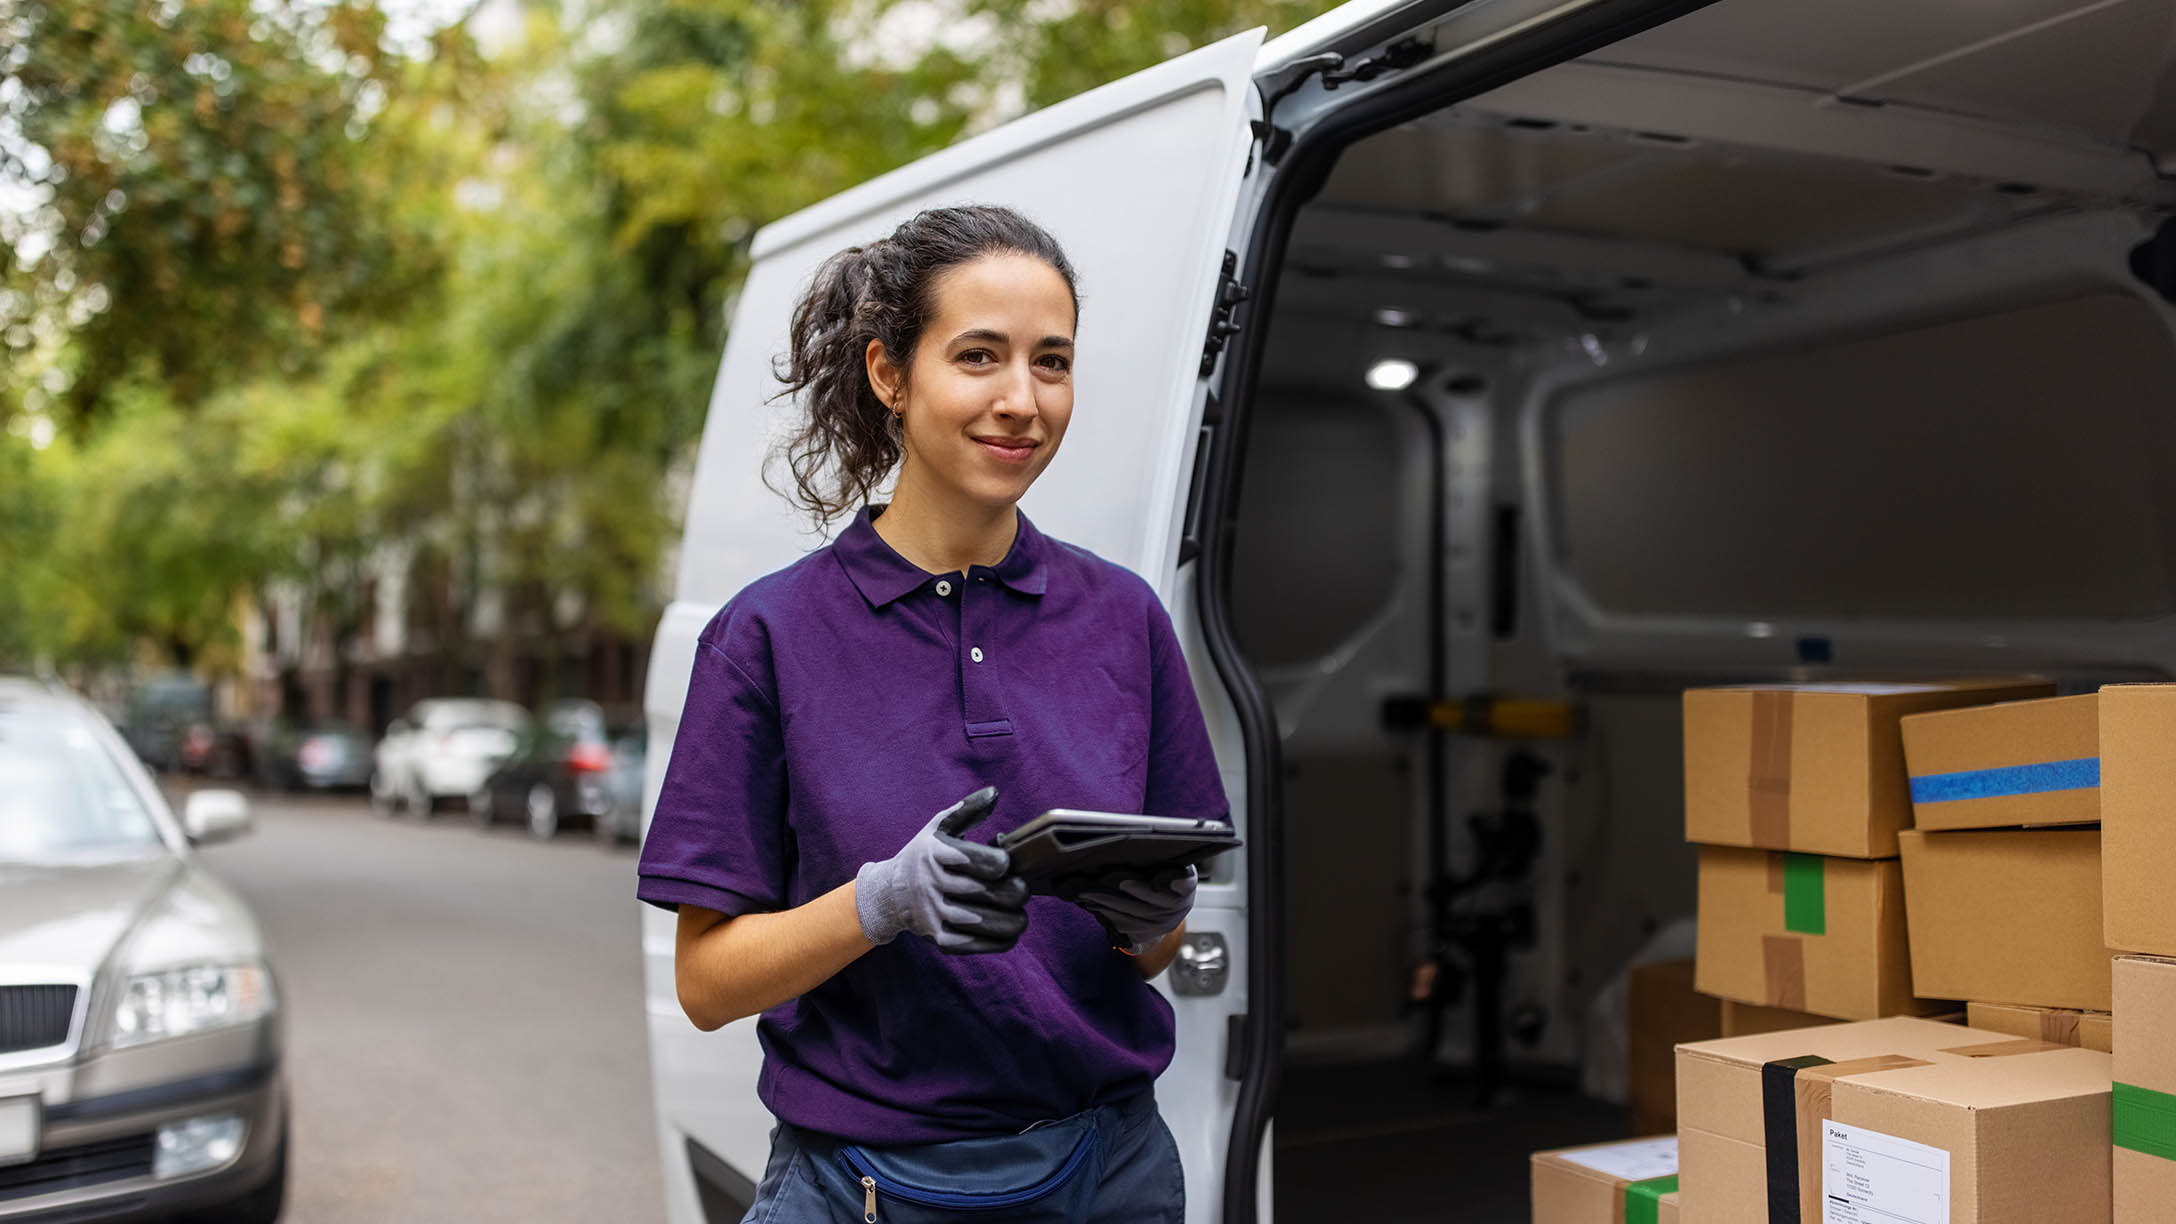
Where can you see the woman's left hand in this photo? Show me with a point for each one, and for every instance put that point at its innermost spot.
(1140, 910)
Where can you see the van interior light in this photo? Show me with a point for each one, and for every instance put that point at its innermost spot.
(1394, 318)
(1392, 375)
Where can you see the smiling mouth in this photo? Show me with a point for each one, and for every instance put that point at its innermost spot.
(1011, 449)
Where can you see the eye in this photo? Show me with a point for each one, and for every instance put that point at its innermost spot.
(1057, 362)
(984, 354)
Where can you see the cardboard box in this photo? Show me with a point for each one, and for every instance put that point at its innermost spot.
(2145, 1090)
(2011, 1131)
(1746, 1019)
(2091, 1030)
(1816, 768)
(1662, 1010)
(2010, 765)
(2008, 915)
(1805, 933)
(2138, 816)
(1606, 1183)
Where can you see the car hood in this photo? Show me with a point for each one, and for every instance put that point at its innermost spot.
(74, 915)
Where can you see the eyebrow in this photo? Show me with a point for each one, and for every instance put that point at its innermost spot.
(998, 337)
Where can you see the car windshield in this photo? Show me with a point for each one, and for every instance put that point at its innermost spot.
(62, 795)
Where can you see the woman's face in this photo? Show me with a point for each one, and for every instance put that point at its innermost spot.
(991, 387)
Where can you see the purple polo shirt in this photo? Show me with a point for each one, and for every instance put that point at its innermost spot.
(839, 703)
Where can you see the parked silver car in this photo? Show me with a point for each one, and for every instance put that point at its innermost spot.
(139, 1021)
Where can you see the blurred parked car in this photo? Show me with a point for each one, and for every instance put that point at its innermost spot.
(442, 748)
(621, 821)
(139, 1021)
(215, 750)
(560, 774)
(315, 754)
(160, 713)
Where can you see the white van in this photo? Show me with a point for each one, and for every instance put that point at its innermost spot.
(1578, 350)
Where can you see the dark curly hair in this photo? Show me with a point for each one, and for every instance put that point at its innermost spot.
(885, 291)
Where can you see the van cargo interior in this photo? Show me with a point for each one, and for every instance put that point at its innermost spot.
(1790, 339)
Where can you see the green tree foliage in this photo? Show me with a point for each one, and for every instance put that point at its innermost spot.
(205, 204)
(285, 299)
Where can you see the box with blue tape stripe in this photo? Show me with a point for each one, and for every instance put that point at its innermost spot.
(2016, 764)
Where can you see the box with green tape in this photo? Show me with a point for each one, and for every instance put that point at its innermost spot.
(2144, 1107)
(1805, 933)
(1632, 1182)
(1904, 1121)
(1815, 768)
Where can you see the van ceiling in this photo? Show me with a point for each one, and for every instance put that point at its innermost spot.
(1517, 214)
(2100, 69)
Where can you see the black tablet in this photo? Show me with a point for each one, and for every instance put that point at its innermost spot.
(1060, 848)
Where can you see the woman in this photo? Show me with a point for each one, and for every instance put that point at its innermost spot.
(935, 1041)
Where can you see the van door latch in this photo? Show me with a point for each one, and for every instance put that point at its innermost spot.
(1203, 965)
(1229, 294)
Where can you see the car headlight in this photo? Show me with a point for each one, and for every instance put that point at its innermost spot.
(174, 1002)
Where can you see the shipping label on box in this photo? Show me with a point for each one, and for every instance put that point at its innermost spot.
(1814, 768)
(2009, 765)
(2138, 816)
(1845, 1120)
(2144, 1106)
(1804, 933)
(2068, 1026)
(2007, 915)
(1606, 1183)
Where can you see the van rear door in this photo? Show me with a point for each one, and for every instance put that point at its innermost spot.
(1138, 180)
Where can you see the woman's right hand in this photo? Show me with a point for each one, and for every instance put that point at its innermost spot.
(961, 895)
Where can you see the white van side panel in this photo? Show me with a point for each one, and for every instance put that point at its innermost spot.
(1138, 181)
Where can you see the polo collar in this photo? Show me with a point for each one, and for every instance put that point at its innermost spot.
(883, 576)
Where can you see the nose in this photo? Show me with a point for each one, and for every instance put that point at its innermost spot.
(1016, 394)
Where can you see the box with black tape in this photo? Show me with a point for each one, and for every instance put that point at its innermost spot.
(1905, 1121)
(2014, 764)
(1814, 768)
(2144, 1108)
(1805, 933)
(1633, 1182)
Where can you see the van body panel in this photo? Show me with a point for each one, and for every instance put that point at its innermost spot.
(1138, 181)
(2074, 259)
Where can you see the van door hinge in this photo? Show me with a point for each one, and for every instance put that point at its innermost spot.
(1229, 294)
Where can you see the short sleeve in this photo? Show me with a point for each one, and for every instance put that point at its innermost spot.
(718, 838)
(1183, 779)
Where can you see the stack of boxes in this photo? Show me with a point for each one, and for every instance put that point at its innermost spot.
(1865, 849)
(1818, 895)
(2003, 867)
(1796, 796)
(2138, 811)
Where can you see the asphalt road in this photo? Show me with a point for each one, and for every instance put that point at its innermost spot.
(465, 1035)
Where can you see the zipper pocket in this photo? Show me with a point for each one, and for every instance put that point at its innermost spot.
(873, 1181)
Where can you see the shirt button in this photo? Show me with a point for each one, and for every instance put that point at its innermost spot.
(975, 654)
(944, 588)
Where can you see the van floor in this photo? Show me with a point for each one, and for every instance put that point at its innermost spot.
(1389, 1142)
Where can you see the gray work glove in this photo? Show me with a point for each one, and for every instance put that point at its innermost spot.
(961, 895)
(1139, 911)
